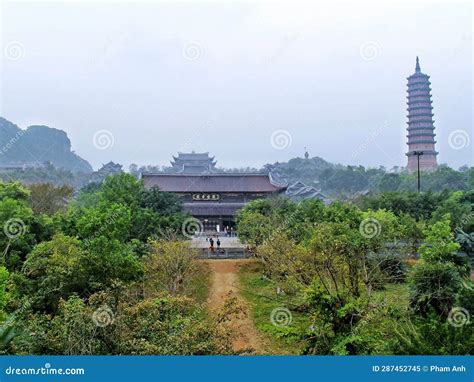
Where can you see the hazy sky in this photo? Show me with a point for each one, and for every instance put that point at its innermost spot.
(250, 82)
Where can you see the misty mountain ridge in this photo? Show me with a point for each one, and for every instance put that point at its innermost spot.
(23, 154)
(36, 145)
(39, 144)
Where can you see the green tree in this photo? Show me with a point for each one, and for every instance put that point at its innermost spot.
(54, 270)
(14, 190)
(108, 261)
(300, 223)
(64, 266)
(457, 207)
(16, 238)
(434, 286)
(254, 228)
(111, 220)
(389, 182)
(73, 330)
(163, 203)
(4, 293)
(413, 233)
(122, 189)
(45, 198)
(169, 267)
(440, 246)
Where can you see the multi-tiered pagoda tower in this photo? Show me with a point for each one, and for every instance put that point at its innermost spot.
(420, 129)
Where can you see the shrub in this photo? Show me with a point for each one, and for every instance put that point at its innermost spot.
(433, 335)
(167, 325)
(434, 286)
(393, 268)
(169, 267)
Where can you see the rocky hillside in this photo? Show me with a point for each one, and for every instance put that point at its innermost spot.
(35, 146)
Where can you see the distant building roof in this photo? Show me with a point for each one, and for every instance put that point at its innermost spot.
(299, 191)
(211, 183)
(194, 156)
(294, 187)
(111, 167)
(193, 163)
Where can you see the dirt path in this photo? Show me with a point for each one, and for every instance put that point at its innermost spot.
(225, 284)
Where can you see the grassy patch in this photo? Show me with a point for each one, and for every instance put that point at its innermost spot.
(397, 295)
(263, 298)
(283, 337)
(200, 282)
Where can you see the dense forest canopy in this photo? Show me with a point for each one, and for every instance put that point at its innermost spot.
(94, 275)
(95, 263)
(388, 275)
(109, 271)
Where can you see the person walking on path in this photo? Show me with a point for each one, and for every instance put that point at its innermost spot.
(211, 241)
(218, 242)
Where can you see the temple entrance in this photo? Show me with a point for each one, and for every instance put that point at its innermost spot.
(229, 223)
(210, 224)
(218, 224)
(229, 227)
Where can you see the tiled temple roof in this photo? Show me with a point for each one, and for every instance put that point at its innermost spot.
(193, 163)
(194, 156)
(211, 183)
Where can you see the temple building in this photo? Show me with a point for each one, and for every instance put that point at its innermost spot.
(193, 163)
(213, 198)
(421, 136)
(299, 191)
